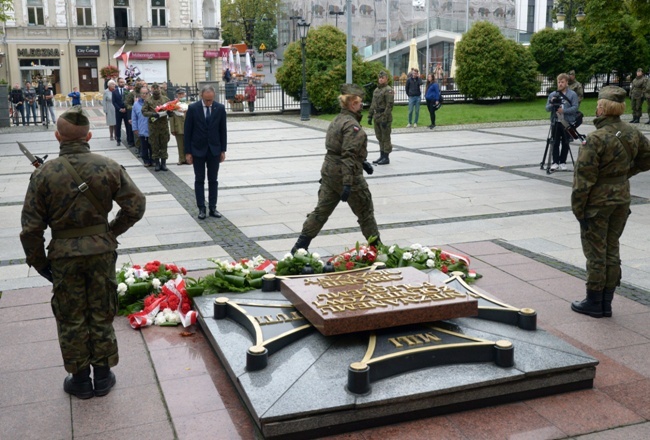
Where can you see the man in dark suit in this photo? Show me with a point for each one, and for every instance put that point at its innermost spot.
(121, 113)
(205, 141)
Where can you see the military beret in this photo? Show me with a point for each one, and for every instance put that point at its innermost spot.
(382, 74)
(640, 69)
(155, 86)
(612, 93)
(352, 89)
(572, 72)
(76, 116)
(180, 90)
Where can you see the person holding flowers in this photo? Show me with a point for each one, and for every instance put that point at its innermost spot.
(342, 172)
(80, 259)
(177, 123)
(158, 127)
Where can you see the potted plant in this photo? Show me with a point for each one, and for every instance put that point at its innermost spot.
(237, 103)
(259, 66)
(109, 71)
(267, 87)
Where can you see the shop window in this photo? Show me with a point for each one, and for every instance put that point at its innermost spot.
(158, 18)
(84, 13)
(35, 14)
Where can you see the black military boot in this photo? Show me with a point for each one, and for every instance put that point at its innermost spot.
(163, 164)
(384, 160)
(303, 242)
(608, 296)
(381, 156)
(592, 305)
(104, 380)
(79, 384)
(157, 163)
(634, 121)
(648, 122)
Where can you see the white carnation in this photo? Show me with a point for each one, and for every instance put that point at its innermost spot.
(155, 283)
(315, 255)
(302, 252)
(407, 256)
(416, 246)
(159, 319)
(431, 264)
(245, 271)
(129, 273)
(130, 280)
(121, 289)
(391, 249)
(287, 257)
(237, 267)
(431, 254)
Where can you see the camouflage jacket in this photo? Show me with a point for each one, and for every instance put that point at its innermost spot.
(346, 144)
(53, 200)
(603, 166)
(381, 108)
(149, 109)
(129, 100)
(177, 124)
(577, 89)
(639, 87)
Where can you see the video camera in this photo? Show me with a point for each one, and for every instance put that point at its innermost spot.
(556, 100)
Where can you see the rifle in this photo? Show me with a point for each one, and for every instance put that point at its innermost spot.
(35, 160)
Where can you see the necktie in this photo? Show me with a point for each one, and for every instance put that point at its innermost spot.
(120, 91)
(207, 112)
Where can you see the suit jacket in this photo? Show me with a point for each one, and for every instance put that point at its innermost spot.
(118, 100)
(201, 134)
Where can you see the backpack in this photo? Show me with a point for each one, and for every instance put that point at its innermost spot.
(579, 117)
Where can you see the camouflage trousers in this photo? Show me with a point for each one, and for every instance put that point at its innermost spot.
(181, 147)
(84, 305)
(637, 107)
(600, 245)
(382, 131)
(329, 196)
(158, 139)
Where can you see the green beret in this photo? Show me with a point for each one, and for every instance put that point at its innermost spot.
(612, 93)
(572, 72)
(639, 70)
(155, 86)
(382, 74)
(352, 89)
(76, 116)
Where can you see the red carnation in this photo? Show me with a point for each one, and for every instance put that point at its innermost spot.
(444, 269)
(183, 271)
(346, 257)
(173, 302)
(349, 265)
(164, 305)
(149, 300)
(337, 264)
(443, 256)
(136, 266)
(185, 308)
(156, 262)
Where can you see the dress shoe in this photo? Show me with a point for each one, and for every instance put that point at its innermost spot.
(634, 121)
(201, 213)
(215, 213)
(118, 142)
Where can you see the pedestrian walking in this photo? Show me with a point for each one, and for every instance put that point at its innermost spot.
(80, 259)
(381, 111)
(638, 90)
(342, 172)
(600, 198)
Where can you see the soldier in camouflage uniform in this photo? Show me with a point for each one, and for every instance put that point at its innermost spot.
(130, 99)
(638, 89)
(158, 127)
(381, 110)
(177, 127)
(576, 86)
(601, 197)
(80, 261)
(342, 171)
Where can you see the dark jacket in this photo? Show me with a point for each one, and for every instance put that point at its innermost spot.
(433, 92)
(17, 96)
(118, 101)
(413, 86)
(201, 134)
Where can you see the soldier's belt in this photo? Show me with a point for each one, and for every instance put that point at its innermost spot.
(612, 180)
(80, 232)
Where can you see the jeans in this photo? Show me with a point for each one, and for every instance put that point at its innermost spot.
(19, 109)
(31, 107)
(414, 102)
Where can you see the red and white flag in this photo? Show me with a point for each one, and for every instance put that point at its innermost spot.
(118, 54)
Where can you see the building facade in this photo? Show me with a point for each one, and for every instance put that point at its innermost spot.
(67, 42)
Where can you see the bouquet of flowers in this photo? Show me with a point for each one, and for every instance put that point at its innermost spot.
(423, 258)
(361, 256)
(169, 106)
(301, 262)
(169, 307)
(238, 98)
(135, 282)
(241, 276)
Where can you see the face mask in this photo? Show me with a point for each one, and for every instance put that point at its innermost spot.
(183, 99)
(156, 94)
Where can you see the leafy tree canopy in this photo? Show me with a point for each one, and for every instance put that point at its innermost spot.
(559, 51)
(265, 33)
(241, 17)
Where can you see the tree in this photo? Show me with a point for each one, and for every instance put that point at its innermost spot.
(264, 33)
(5, 6)
(241, 17)
(481, 65)
(325, 66)
(521, 72)
(559, 51)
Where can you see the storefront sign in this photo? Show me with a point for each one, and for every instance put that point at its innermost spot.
(87, 51)
(210, 53)
(121, 3)
(38, 53)
(149, 55)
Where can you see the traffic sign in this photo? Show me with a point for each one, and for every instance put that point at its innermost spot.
(262, 46)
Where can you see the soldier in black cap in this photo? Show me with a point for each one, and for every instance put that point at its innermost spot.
(72, 195)
(342, 171)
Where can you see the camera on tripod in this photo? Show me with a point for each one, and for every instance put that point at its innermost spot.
(556, 101)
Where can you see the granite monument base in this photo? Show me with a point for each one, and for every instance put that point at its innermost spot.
(304, 389)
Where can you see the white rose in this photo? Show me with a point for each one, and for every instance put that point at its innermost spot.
(416, 246)
(287, 257)
(407, 256)
(315, 255)
(121, 289)
(130, 280)
(431, 254)
(302, 252)
(159, 319)
(431, 264)
(391, 249)
(129, 273)
(155, 283)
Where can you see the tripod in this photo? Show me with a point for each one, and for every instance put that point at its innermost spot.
(547, 159)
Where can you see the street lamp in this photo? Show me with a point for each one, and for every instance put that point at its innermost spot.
(303, 29)
(561, 16)
(337, 13)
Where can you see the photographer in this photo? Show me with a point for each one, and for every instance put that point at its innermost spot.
(563, 105)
